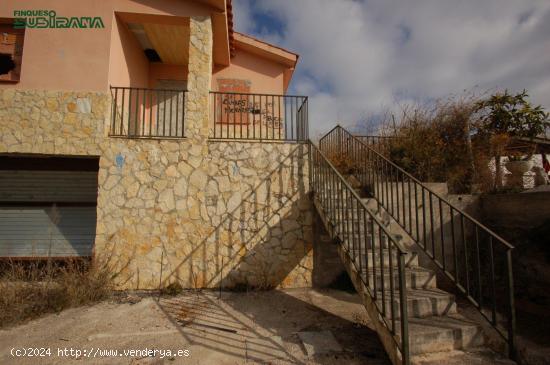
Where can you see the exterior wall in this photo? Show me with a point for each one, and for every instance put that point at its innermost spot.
(166, 72)
(128, 64)
(79, 59)
(53, 122)
(225, 213)
(501, 210)
(264, 76)
(64, 59)
(200, 212)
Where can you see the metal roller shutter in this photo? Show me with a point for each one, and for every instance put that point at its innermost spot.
(47, 213)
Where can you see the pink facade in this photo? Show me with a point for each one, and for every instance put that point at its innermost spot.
(94, 59)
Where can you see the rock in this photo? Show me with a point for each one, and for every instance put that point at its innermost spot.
(181, 204)
(290, 225)
(160, 184)
(83, 105)
(195, 161)
(180, 188)
(130, 299)
(171, 171)
(223, 183)
(198, 179)
(212, 188)
(166, 201)
(234, 202)
(132, 190)
(247, 172)
(112, 180)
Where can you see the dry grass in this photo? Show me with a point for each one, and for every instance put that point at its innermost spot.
(33, 288)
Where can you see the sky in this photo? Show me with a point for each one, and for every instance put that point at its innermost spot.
(360, 58)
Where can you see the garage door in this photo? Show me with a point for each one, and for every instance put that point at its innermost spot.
(47, 209)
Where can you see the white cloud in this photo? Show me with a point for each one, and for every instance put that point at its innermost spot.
(356, 57)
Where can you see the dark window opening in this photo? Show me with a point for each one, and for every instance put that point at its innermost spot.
(11, 51)
(6, 63)
(152, 55)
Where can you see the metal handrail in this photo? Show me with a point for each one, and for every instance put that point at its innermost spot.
(357, 227)
(265, 117)
(387, 181)
(138, 112)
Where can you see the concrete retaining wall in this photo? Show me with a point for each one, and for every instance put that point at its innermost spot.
(516, 211)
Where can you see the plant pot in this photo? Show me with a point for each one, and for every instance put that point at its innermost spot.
(518, 169)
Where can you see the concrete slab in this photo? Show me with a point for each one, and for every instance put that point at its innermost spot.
(236, 328)
(317, 343)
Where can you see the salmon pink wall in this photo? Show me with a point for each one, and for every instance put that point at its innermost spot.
(79, 59)
(128, 64)
(159, 71)
(265, 76)
(63, 59)
(92, 59)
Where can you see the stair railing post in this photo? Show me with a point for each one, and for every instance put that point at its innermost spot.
(403, 309)
(512, 308)
(310, 165)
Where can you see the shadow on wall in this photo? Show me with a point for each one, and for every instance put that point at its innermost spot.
(264, 240)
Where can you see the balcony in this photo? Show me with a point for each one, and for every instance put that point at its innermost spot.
(264, 117)
(147, 113)
(160, 113)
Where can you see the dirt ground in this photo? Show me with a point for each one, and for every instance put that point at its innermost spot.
(254, 327)
(299, 326)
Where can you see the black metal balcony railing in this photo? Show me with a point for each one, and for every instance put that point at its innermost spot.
(263, 117)
(147, 113)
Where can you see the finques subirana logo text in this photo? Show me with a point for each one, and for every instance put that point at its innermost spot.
(49, 19)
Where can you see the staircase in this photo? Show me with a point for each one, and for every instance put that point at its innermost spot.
(391, 246)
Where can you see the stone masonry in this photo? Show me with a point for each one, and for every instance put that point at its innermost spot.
(200, 212)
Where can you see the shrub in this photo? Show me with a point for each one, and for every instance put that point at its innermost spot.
(432, 142)
(33, 288)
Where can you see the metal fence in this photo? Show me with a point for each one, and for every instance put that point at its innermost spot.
(381, 144)
(147, 113)
(475, 259)
(372, 251)
(258, 117)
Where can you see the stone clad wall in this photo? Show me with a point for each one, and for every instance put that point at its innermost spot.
(52, 122)
(199, 212)
(240, 215)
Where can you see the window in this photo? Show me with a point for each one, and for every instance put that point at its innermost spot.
(11, 51)
(235, 108)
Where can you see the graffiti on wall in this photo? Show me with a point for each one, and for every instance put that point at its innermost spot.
(241, 108)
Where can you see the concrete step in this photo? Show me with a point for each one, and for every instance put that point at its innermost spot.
(415, 278)
(434, 324)
(442, 333)
(421, 303)
(365, 240)
(411, 258)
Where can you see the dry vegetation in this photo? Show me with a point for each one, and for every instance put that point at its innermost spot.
(453, 140)
(32, 288)
(432, 141)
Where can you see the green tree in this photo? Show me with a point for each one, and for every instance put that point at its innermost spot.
(504, 116)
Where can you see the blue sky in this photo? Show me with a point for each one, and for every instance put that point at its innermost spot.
(359, 59)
